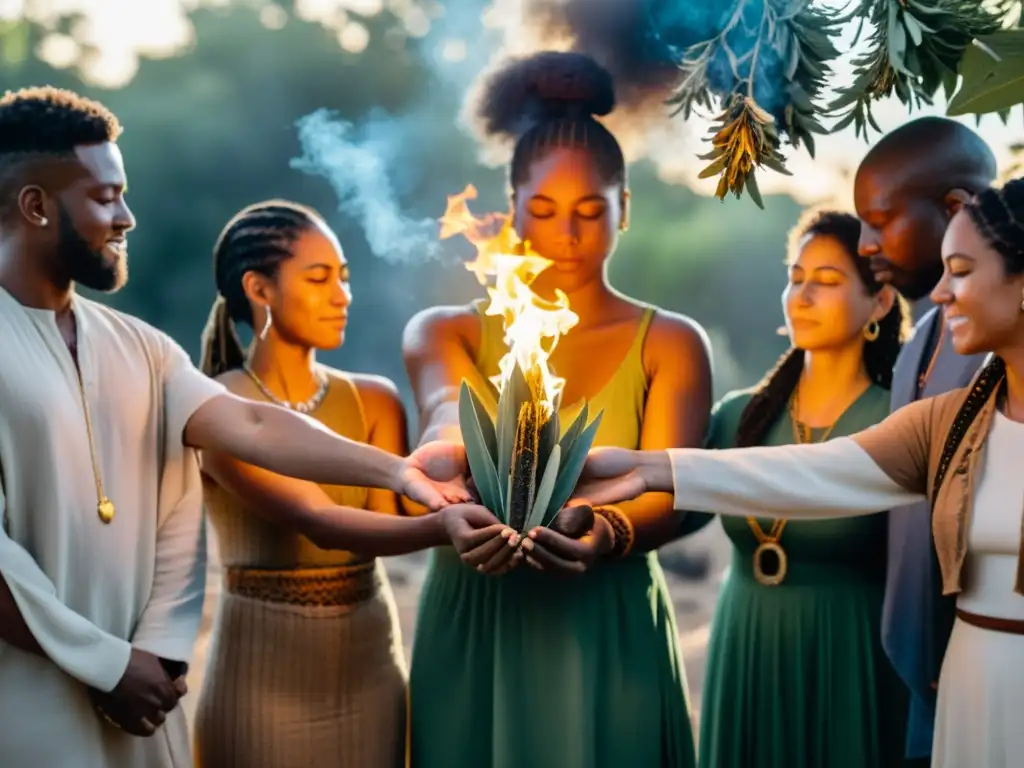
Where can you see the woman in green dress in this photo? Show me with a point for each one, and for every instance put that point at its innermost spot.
(533, 668)
(796, 674)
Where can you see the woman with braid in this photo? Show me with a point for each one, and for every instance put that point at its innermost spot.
(960, 450)
(531, 667)
(798, 615)
(306, 662)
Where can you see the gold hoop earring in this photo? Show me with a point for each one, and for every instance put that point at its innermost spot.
(871, 331)
(266, 326)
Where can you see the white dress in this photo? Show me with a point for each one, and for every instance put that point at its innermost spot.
(982, 683)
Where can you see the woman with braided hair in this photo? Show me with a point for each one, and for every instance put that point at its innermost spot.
(799, 611)
(530, 667)
(306, 661)
(960, 450)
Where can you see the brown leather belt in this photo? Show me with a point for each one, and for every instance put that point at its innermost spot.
(992, 623)
(330, 586)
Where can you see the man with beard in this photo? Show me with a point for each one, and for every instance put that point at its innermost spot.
(906, 190)
(101, 546)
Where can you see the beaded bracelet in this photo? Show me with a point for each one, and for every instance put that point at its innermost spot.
(622, 527)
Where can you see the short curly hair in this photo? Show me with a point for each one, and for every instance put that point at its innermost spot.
(51, 121)
(45, 122)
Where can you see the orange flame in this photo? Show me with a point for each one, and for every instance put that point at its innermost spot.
(533, 325)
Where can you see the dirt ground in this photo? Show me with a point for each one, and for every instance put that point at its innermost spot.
(693, 594)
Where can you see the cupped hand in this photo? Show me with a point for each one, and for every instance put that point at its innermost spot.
(570, 547)
(435, 475)
(610, 476)
(482, 541)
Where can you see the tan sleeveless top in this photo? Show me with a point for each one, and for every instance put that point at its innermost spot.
(622, 399)
(246, 539)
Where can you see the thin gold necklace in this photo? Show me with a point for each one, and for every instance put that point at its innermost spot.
(769, 542)
(104, 506)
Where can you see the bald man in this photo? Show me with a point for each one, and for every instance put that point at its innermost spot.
(906, 190)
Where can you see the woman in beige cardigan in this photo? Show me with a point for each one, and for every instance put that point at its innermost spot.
(962, 450)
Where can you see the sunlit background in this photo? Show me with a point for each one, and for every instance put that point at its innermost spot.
(211, 93)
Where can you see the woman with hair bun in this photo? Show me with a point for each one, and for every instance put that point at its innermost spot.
(531, 667)
(960, 451)
(796, 674)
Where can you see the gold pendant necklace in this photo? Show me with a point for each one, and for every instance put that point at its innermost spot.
(768, 545)
(104, 506)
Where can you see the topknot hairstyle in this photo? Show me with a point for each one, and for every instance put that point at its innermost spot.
(550, 100)
(772, 394)
(257, 238)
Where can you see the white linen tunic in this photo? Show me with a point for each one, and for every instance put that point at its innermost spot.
(89, 591)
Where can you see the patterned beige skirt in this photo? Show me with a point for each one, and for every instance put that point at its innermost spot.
(306, 670)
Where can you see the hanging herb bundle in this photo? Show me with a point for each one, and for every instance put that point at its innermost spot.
(765, 67)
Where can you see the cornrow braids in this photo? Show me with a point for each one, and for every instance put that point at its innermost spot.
(773, 392)
(256, 239)
(584, 133)
(999, 216)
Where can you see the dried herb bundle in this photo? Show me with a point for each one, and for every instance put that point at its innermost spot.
(768, 62)
(523, 471)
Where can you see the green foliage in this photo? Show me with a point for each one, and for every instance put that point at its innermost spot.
(553, 464)
(912, 49)
(993, 75)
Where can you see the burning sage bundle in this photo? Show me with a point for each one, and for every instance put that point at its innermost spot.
(524, 469)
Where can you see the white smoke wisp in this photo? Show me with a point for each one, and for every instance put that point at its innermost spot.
(358, 161)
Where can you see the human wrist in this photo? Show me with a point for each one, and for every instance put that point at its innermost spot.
(655, 470)
(392, 473)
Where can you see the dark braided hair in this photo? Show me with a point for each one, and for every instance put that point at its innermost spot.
(998, 215)
(46, 122)
(774, 391)
(257, 239)
(546, 101)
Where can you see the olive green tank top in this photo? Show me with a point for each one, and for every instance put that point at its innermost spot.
(621, 399)
(246, 539)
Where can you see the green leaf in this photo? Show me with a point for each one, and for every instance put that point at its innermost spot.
(753, 191)
(993, 75)
(548, 441)
(571, 467)
(481, 463)
(509, 403)
(544, 491)
(573, 432)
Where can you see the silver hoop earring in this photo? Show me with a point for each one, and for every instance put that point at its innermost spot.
(266, 326)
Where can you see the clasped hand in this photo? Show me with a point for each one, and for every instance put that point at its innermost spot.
(141, 700)
(575, 541)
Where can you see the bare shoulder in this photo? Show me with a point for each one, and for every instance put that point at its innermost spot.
(439, 324)
(375, 391)
(673, 336)
(237, 382)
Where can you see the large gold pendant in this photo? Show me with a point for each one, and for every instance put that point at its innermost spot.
(105, 509)
(777, 574)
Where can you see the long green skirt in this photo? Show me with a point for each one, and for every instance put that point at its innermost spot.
(796, 674)
(534, 670)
